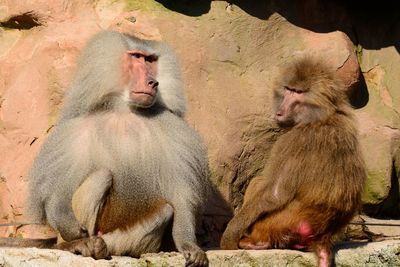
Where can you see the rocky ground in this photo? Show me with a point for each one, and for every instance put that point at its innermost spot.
(230, 53)
(384, 253)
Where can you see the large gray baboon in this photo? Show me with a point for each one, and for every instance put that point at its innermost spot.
(122, 163)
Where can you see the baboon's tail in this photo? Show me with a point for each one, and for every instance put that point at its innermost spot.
(28, 242)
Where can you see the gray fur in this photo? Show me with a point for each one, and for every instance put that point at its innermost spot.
(150, 153)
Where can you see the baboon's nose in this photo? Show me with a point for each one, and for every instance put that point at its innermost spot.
(152, 83)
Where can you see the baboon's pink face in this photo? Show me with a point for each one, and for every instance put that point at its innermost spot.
(290, 108)
(139, 70)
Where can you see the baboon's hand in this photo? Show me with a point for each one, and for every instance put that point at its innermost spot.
(194, 256)
(74, 232)
(229, 239)
(94, 247)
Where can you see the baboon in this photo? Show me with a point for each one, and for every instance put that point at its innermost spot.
(122, 164)
(313, 183)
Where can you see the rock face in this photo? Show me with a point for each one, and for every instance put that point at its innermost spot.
(373, 254)
(230, 54)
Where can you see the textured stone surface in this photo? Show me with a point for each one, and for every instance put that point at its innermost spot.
(230, 53)
(385, 253)
(383, 227)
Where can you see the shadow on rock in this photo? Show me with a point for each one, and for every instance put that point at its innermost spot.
(369, 24)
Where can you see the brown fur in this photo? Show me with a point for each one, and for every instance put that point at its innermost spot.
(114, 215)
(316, 173)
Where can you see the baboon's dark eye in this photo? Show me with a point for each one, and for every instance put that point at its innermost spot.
(293, 90)
(136, 55)
(151, 58)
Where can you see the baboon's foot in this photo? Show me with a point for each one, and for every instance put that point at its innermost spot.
(93, 246)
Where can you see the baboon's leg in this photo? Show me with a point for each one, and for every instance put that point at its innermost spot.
(144, 236)
(88, 200)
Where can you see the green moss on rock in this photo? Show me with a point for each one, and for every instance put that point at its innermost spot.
(376, 189)
(144, 5)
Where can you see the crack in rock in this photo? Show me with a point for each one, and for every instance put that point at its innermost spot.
(24, 21)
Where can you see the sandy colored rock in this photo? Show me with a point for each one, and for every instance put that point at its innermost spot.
(376, 254)
(387, 228)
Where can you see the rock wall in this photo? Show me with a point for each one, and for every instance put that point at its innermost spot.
(230, 54)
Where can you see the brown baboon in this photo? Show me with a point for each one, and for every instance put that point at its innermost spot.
(312, 185)
(122, 163)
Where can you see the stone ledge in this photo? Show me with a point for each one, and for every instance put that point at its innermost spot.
(385, 253)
